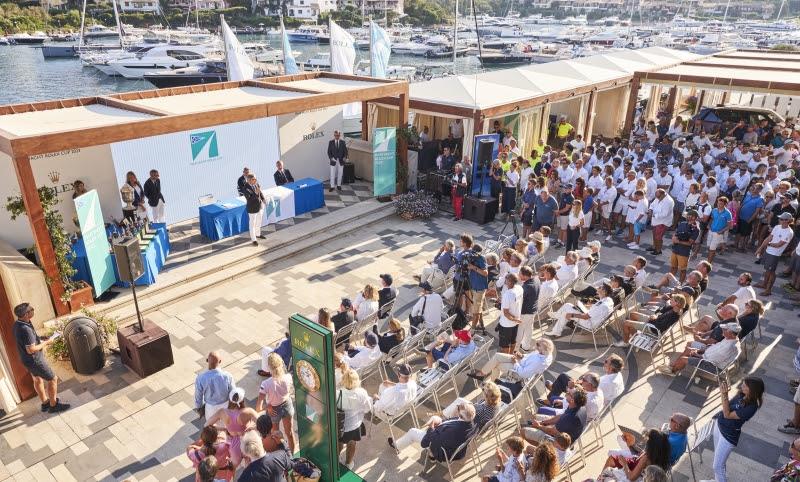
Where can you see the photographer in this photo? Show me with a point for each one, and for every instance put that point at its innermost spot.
(472, 270)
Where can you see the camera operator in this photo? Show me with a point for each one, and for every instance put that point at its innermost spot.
(686, 235)
(473, 275)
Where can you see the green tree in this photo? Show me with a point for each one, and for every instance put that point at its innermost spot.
(425, 13)
(348, 17)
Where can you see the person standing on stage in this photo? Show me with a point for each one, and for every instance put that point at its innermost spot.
(242, 181)
(337, 154)
(459, 190)
(138, 194)
(152, 191)
(255, 207)
(282, 176)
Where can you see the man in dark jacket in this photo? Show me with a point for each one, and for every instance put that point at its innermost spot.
(282, 176)
(337, 153)
(385, 295)
(152, 191)
(255, 207)
(442, 437)
(242, 181)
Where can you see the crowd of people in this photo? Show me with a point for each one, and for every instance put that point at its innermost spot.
(715, 196)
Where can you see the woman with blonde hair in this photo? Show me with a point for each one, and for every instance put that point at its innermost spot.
(366, 302)
(339, 367)
(393, 336)
(485, 410)
(575, 221)
(324, 319)
(275, 394)
(355, 402)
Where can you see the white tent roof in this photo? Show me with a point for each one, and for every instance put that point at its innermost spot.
(56, 120)
(216, 99)
(513, 85)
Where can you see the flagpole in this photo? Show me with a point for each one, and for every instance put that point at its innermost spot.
(371, 58)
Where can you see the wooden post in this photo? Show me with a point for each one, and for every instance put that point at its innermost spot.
(22, 378)
(700, 101)
(633, 97)
(671, 100)
(726, 97)
(41, 236)
(477, 121)
(589, 124)
(402, 145)
(364, 120)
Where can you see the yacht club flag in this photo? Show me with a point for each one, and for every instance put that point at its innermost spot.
(240, 67)
(343, 51)
(380, 47)
(289, 63)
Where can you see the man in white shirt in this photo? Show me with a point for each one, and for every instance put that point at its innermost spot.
(514, 149)
(580, 171)
(742, 295)
(772, 248)
(577, 143)
(661, 218)
(742, 177)
(548, 287)
(522, 367)
(510, 313)
(651, 183)
(595, 181)
(457, 128)
(702, 140)
(612, 384)
(362, 356)
(720, 354)
(392, 398)
(429, 306)
(591, 319)
(568, 271)
(565, 172)
(651, 154)
(595, 399)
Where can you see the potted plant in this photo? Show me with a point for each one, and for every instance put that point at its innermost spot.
(77, 294)
(412, 205)
(108, 334)
(406, 136)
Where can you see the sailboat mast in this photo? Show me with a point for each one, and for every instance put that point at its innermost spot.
(197, 14)
(455, 35)
(725, 17)
(83, 22)
(116, 19)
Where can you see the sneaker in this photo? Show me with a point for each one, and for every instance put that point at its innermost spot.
(758, 261)
(608, 238)
(390, 441)
(548, 385)
(349, 466)
(330, 190)
(476, 376)
(261, 236)
(621, 344)
(338, 188)
(552, 334)
(633, 246)
(58, 407)
(46, 405)
(255, 243)
(789, 430)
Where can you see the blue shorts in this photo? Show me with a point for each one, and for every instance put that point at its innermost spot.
(638, 228)
(437, 353)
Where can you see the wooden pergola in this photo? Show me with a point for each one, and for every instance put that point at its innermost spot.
(155, 121)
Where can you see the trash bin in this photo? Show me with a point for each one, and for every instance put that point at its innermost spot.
(84, 344)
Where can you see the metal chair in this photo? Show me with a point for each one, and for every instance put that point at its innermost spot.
(648, 339)
(449, 461)
(603, 326)
(708, 368)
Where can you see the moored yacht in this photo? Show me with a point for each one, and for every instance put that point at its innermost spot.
(162, 57)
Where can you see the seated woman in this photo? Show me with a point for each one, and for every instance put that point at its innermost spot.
(393, 337)
(521, 247)
(663, 319)
(485, 410)
(503, 269)
(623, 466)
(536, 245)
(593, 317)
(753, 310)
(542, 463)
(366, 302)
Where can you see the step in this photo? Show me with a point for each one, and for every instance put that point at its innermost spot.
(193, 277)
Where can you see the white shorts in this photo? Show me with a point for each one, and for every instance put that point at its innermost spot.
(605, 211)
(562, 222)
(715, 240)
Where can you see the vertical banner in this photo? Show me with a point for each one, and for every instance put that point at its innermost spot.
(380, 48)
(315, 394)
(239, 65)
(482, 161)
(93, 231)
(384, 161)
(289, 63)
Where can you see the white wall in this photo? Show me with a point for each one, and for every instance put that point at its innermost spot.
(92, 165)
(304, 141)
(184, 178)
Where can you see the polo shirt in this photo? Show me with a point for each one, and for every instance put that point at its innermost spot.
(665, 319)
(269, 468)
(685, 249)
(572, 421)
(566, 200)
(750, 204)
(730, 428)
(719, 220)
(477, 281)
(530, 295)
(25, 335)
(562, 130)
(677, 445)
(545, 210)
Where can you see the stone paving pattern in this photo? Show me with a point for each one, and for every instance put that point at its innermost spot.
(125, 428)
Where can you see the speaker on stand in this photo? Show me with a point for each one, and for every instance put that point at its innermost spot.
(480, 207)
(144, 346)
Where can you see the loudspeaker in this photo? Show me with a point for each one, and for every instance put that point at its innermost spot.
(485, 150)
(126, 252)
(349, 173)
(480, 210)
(145, 352)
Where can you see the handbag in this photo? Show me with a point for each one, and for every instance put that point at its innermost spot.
(339, 417)
(419, 319)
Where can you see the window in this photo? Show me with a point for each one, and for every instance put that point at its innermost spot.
(184, 55)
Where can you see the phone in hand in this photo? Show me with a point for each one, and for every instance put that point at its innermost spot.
(55, 336)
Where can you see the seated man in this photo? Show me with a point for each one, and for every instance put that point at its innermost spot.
(436, 271)
(589, 317)
(708, 331)
(626, 281)
(719, 354)
(692, 282)
(427, 312)
(572, 421)
(548, 287)
(386, 294)
(669, 281)
(392, 398)
(567, 271)
(589, 256)
(518, 366)
(641, 275)
(590, 384)
(282, 176)
(663, 319)
(442, 437)
(452, 351)
(361, 356)
(678, 436)
(611, 383)
(742, 295)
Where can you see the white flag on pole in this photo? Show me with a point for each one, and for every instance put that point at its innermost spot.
(240, 67)
(289, 63)
(343, 51)
(380, 50)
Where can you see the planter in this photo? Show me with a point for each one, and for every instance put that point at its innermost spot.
(407, 216)
(80, 298)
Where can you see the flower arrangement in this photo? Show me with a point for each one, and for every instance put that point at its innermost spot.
(413, 205)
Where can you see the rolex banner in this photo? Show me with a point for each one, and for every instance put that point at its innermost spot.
(384, 160)
(93, 231)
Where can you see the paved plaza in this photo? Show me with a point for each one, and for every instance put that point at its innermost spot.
(125, 428)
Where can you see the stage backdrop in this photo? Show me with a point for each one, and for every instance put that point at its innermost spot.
(304, 141)
(201, 161)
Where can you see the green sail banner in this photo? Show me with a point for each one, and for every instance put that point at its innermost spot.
(384, 161)
(93, 231)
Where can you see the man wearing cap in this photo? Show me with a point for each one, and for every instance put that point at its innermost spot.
(427, 311)
(31, 353)
(720, 354)
(386, 294)
(393, 397)
(452, 353)
(361, 356)
(772, 248)
(211, 388)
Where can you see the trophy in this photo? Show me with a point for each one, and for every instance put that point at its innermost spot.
(126, 191)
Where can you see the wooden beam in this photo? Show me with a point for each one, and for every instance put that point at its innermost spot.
(41, 236)
(364, 120)
(359, 78)
(189, 89)
(759, 57)
(672, 99)
(402, 121)
(282, 87)
(745, 67)
(123, 105)
(46, 105)
(477, 120)
(589, 124)
(700, 100)
(633, 98)
(5, 142)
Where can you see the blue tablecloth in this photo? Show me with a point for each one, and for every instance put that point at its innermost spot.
(153, 258)
(218, 221)
(308, 195)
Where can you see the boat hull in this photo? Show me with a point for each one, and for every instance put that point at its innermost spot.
(166, 81)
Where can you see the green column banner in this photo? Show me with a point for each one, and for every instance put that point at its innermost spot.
(93, 231)
(384, 161)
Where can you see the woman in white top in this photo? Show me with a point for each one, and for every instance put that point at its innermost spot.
(275, 394)
(355, 402)
(138, 195)
(575, 222)
(510, 188)
(366, 302)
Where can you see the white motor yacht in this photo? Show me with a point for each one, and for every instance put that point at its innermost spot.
(320, 61)
(37, 38)
(163, 57)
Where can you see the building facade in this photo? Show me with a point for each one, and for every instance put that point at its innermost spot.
(139, 5)
(200, 4)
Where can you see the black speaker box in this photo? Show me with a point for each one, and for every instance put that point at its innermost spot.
(480, 209)
(129, 259)
(145, 352)
(485, 149)
(349, 173)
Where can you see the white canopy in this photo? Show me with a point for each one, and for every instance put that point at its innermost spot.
(500, 87)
